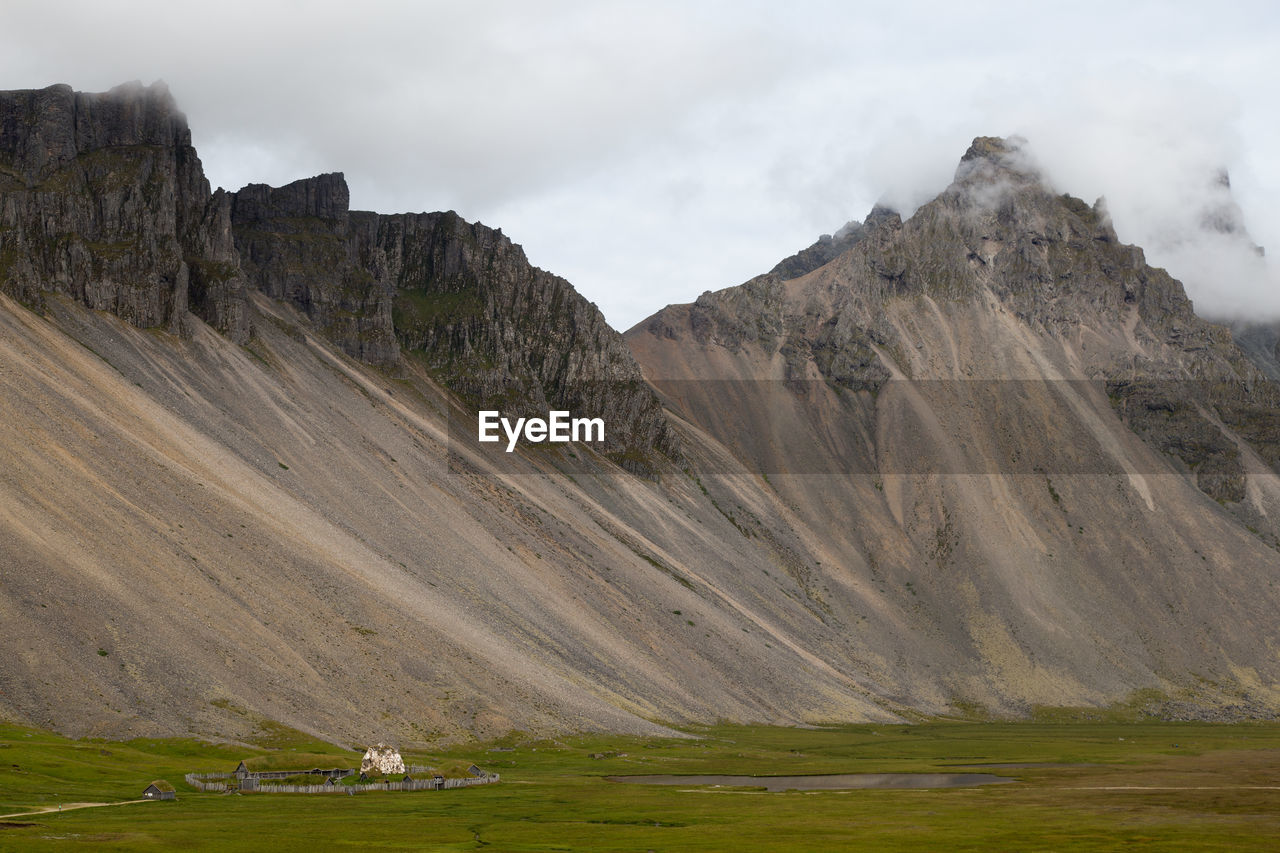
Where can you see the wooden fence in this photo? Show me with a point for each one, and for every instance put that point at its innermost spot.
(263, 775)
(467, 783)
(415, 785)
(200, 783)
(196, 780)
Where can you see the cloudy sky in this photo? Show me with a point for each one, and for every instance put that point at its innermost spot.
(651, 151)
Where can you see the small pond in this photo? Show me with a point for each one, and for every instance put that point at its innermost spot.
(836, 782)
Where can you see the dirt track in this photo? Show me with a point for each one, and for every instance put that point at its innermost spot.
(66, 807)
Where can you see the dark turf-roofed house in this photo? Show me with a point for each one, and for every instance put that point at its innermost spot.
(159, 790)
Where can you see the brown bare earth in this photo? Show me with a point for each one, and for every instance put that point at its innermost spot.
(363, 589)
(366, 590)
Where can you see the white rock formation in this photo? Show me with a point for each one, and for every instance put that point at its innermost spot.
(381, 758)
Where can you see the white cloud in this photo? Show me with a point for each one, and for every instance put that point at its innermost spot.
(1154, 144)
(649, 151)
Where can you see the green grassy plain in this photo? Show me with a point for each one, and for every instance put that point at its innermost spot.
(1118, 785)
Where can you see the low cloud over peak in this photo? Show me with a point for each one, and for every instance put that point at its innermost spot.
(649, 152)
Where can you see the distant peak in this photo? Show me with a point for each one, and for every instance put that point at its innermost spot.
(991, 155)
(42, 130)
(882, 215)
(135, 91)
(993, 147)
(1221, 214)
(324, 196)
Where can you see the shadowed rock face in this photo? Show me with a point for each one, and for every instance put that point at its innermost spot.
(505, 334)
(496, 330)
(103, 198)
(295, 244)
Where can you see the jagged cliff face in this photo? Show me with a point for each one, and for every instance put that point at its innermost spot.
(827, 248)
(294, 242)
(507, 335)
(103, 198)
(462, 297)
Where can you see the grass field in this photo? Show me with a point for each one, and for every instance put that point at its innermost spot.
(1116, 785)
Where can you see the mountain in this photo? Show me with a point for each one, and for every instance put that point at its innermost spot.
(1005, 432)
(981, 459)
(106, 201)
(459, 296)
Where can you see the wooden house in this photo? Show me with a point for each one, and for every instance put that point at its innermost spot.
(159, 790)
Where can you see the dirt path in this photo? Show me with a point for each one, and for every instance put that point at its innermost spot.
(66, 807)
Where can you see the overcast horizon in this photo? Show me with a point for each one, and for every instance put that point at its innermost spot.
(650, 152)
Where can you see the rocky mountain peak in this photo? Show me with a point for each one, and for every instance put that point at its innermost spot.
(103, 199)
(990, 154)
(459, 296)
(1221, 214)
(323, 197)
(998, 243)
(42, 130)
(882, 217)
(831, 246)
(992, 171)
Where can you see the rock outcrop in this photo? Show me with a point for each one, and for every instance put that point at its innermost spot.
(827, 248)
(493, 328)
(383, 759)
(103, 199)
(507, 335)
(295, 242)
